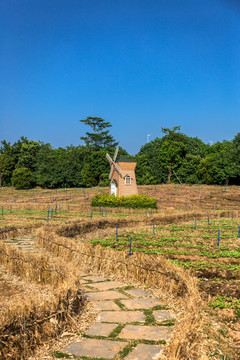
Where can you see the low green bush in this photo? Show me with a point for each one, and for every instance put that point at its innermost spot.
(130, 202)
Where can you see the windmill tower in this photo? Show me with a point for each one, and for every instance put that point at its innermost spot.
(122, 176)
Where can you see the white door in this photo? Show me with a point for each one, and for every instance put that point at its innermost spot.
(113, 189)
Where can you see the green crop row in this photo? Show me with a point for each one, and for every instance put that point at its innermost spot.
(147, 243)
(218, 253)
(200, 265)
(233, 254)
(222, 302)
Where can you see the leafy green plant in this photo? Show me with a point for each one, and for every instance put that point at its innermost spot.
(222, 302)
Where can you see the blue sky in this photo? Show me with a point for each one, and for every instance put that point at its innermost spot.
(140, 64)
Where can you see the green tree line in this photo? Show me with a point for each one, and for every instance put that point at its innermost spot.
(174, 157)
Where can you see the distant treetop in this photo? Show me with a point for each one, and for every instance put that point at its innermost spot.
(99, 137)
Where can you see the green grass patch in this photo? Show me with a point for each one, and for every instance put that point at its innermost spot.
(124, 352)
(116, 331)
(61, 355)
(150, 319)
(118, 303)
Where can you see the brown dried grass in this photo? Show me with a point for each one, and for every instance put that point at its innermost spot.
(154, 272)
(188, 339)
(32, 322)
(7, 232)
(193, 336)
(79, 227)
(36, 319)
(40, 268)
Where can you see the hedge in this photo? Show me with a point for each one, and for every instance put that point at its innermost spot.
(130, 202)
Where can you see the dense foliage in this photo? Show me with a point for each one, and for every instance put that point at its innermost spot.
(130, 202)
(22, 178)
(175, 157)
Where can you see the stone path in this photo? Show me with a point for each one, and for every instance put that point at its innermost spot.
(25, 243)
(132, 325)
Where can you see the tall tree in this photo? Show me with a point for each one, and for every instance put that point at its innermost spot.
(6, 169)
(28, 154)
(173, 150)
(225, 163)
(188, 171)
(100, 136)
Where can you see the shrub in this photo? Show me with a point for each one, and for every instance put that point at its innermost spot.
(131, 202)
(22, 178)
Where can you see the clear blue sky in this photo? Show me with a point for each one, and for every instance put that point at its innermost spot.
(140, 64)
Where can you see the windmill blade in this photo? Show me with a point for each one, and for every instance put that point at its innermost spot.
(118, 169)
(115, 154)
(111, 172)
(109, 158)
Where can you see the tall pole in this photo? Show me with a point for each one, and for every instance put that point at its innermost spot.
(148, 137)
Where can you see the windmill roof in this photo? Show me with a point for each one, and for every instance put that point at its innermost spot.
(124, 159)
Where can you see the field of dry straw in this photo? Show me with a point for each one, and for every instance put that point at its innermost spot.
(48, 238)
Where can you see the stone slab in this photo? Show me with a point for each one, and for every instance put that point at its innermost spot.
(25, 247)
(105, 295)
(144, 352)
(94, 278)
(96, 348)
(121, 316)
(99, 329)
(139, 332)
(84, 288)
(107, 285)
(84, 282)
(106, 305)
(162, 315)
(141, 303)
(138, 292)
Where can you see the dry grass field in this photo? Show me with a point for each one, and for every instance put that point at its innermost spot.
(49, 237)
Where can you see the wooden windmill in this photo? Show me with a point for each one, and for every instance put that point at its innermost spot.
(122, 175)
